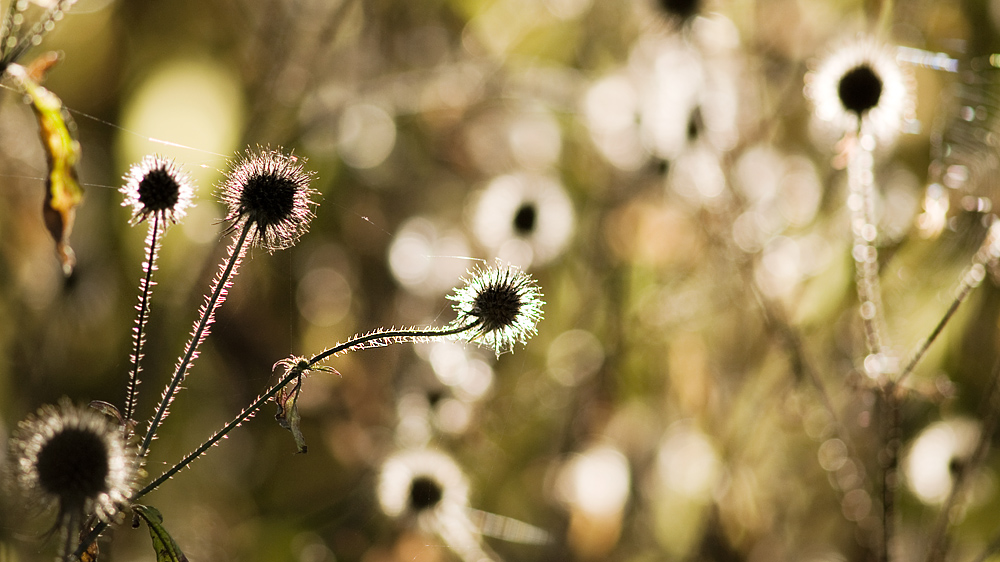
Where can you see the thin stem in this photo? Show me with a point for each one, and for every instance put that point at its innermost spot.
(358, 342)
(890, 446)
(201, 329)
(987, 254)
(145, 288)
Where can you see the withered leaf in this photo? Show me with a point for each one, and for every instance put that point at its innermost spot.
(62, 150)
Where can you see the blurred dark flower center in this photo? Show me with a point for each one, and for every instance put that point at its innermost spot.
(158, 191)
(860, 89)
(73, 465)
(694, 125)
(268, 199)
(525, 218)
(425, 493)
(681, 8)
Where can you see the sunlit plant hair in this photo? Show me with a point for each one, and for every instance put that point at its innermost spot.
(268, 191)
(159, 192)
(157, 187)
(498, 305)
(73, 458)
(505, 302)
(269, 198)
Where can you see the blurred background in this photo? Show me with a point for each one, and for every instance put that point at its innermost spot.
(695, 391)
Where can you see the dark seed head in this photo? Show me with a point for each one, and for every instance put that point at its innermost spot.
(497, 307)
(73, 465)
(269, 191)
(156, 186)
(267, 199)
(502, 306)
(74, 458)
(860, 89)
(158, 191)
(425, 493)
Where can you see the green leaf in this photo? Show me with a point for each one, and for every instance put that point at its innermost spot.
(164, 545)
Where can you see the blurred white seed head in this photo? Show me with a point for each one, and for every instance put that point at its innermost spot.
(859, 87)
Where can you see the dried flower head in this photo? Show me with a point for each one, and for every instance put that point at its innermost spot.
(73, 457)
(270, 191)
(421, 482)
(157, 186)
(504, 303)
(861, 86)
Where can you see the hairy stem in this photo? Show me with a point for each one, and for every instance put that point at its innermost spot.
(201, 329)
(145, 289)
(358, 342)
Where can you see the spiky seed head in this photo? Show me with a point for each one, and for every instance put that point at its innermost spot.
(503, 302)
(75, 458)
(269, 190)
(157, 186)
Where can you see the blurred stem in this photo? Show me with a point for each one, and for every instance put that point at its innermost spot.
(864, 227)
(891, 439)
(145, 287)
(987, 254)
(200, 332)
(940, 539)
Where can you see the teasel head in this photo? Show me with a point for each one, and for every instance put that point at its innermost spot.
(269, 191)
(502, 302)
(860, 88)
(73, 458)
(157, 187)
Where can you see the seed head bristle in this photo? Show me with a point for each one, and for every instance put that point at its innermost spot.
(75, 458)
(157, 186)
(271, 191)
(504, 302)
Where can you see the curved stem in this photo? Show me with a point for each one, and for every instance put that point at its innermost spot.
(145, 288)
(293, 373)
(407, 335)
(200, 332)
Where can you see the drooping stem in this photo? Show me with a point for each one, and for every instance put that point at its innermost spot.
(202, 326)
(145, 292)
(373, 339)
